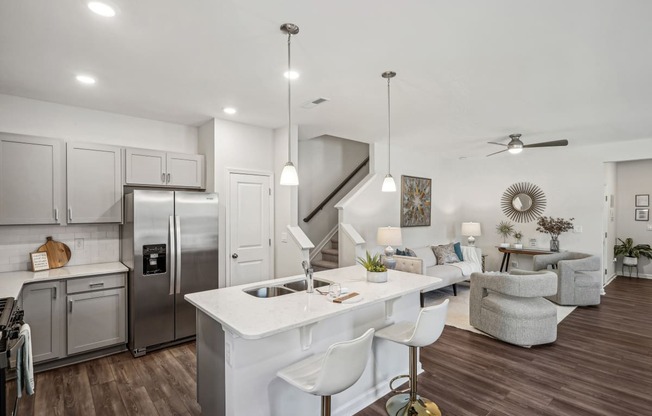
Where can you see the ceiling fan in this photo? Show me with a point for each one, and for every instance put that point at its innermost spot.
(516, 145)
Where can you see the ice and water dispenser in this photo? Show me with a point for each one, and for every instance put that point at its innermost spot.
(153, 259)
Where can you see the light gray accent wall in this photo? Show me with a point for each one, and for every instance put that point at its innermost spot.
(325, 162)
(633, 178)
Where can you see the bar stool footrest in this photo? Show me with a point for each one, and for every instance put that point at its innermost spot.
(396, 391)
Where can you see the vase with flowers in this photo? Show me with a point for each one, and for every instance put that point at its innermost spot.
(554, 227)
(518, 235)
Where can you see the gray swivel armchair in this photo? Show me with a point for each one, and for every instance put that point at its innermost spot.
(579, 278)
(511, 307)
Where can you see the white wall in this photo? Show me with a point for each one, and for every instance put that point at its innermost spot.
(40, 118)
(325, 162)
(230, 145)
(633, 178)
(572, 178)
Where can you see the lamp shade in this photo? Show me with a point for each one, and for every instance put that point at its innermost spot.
(388, 184)
(471, 229)
(389, 236)
(289, 175)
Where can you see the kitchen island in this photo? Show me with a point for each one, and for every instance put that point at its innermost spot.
(243, 340)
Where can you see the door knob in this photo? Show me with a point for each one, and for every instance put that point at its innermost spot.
(234, 255)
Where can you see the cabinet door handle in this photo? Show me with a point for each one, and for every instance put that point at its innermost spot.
(169, 178)
(56, 214)
(54, 294)
(69, 213)
(71, 302)
(99, 284)
(163, 177)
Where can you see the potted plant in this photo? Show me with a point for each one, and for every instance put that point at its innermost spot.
(631, 252)
(554, 227)
(376, 270)
(518, 235)
(505, 228)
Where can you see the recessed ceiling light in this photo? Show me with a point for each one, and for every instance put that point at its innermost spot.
(229, 110)
(86, 79)
(291, 74)
(101, 8)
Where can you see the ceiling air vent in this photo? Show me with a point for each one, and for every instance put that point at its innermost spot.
(314, 103)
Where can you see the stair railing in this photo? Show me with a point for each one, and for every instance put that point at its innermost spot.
(336, 190)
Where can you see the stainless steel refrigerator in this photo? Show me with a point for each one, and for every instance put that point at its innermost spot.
(169, 241)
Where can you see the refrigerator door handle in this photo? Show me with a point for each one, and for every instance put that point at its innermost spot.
(172, 255)
(177, 272)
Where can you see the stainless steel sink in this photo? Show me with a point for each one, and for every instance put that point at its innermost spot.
(284, 289)
(268, 291)
(301, 285)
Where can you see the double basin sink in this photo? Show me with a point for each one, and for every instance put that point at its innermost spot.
(285, 288)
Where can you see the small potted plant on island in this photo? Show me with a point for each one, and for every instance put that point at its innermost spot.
(505, 228)
(376, 270)
(554, 227)
(631, 252)
(518, 235)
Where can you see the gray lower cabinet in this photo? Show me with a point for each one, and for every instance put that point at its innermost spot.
(43, 306)
(96, 319)
(76, 315)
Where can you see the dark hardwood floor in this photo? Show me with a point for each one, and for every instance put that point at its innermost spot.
(601, 364)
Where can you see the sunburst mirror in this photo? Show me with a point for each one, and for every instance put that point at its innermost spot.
(523, 202)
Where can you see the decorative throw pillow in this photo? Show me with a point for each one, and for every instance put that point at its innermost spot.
(445, 254)
(458, 251)
(410, 252)
(399, 252)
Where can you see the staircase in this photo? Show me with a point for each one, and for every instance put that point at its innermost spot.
(329, 257)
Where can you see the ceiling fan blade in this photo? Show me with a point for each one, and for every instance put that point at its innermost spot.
(499, 144)
(549, 144)
(495, 153)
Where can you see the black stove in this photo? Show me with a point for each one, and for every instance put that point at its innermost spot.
(10, 322)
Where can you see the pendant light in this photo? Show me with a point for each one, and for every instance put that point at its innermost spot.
(388, 184)
(289, 174)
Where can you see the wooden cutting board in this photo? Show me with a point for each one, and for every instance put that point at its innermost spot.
(58, 253)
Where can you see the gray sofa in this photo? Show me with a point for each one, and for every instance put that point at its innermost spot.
(450, 273)
(578, 274)
(511, 307)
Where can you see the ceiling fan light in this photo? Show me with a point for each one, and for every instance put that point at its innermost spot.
(515, 150)
(388, 184)
(289, 175)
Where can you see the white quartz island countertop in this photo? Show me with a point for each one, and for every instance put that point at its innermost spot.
(253, 318)
(11, 283)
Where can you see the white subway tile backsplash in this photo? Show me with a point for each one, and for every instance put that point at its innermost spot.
(101, 243)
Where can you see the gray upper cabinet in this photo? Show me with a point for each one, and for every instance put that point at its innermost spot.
(31, 180)
(155, 168)
(185, 170)
(94, 183)
(43, 306)
(145, 167)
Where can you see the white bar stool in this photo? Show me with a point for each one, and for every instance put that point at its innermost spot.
(330, 372)
(425, 331)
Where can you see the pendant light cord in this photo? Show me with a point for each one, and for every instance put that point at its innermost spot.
(289, 102)
(389, 131)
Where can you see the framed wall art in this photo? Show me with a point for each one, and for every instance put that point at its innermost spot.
(641, 214)
(415, 201)
(643, 200)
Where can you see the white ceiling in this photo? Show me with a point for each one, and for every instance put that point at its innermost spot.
(468, 71)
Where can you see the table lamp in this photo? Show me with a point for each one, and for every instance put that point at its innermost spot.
(471, 230)
(389, 236)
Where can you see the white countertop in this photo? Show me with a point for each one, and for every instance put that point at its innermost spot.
(12, 282)
(252, 318)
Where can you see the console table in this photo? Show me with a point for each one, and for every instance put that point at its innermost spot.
(508, 251)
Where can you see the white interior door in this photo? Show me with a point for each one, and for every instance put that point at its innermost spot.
(249, 224)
